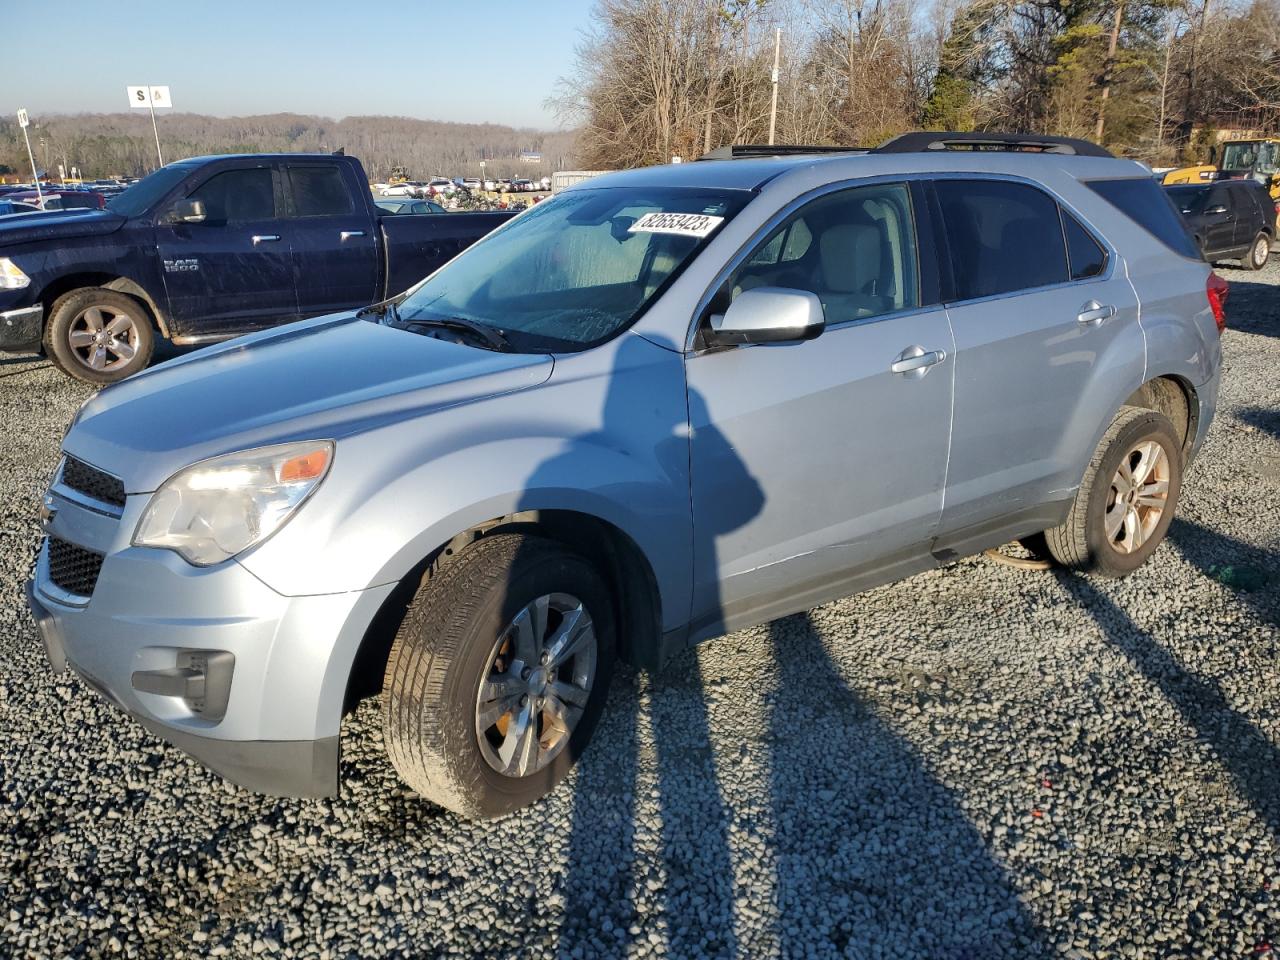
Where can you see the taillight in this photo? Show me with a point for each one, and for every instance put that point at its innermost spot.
(1216, 289)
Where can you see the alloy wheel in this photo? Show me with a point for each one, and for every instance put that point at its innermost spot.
(1138, 497)
(103, 338)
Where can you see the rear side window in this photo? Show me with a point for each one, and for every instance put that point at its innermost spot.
(1085, 257)
(319, 192)
(1003, 237)
(237, 196)
(1143, 201)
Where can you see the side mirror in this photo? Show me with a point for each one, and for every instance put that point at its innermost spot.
(189, 211)
(1216, 209)
(769, 315)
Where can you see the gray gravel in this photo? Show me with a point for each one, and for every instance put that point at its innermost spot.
(981, 762)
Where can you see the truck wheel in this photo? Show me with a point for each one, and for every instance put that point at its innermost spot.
(1126, 501)
(98, 336)
(498, 674)
(1258, 254)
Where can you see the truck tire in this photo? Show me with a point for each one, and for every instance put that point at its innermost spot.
(498, 674)
(1126, 501)
(1259, 252)
(98, 335)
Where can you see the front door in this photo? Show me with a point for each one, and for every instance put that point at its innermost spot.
(232, 272)
(335, 250)
(813, 464)
(1042, 310)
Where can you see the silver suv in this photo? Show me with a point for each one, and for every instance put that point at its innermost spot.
(663, 405)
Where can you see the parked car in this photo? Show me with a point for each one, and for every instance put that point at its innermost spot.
(676, 402)
(1230, 219)
(208, 249)
(409, 206)
(406, 188)
(441, 187)
(521, 185)
(8, 206)
(61, 198)
(472, 183)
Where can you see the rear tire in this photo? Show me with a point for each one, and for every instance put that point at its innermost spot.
(98, 336)
(464, 746)
(1126, 501)
(1258, 254)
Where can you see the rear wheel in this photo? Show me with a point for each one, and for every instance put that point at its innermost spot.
(1258, 254)
(98, 335)
(1126, 501)
(498, 674)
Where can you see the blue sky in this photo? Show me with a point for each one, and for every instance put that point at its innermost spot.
(489, 60)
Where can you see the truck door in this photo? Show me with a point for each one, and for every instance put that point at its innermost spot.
(231, 272)
(332, 236)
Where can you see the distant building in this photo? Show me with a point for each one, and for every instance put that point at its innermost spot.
(530, 156)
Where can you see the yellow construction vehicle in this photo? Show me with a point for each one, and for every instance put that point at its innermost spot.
(1236, 159)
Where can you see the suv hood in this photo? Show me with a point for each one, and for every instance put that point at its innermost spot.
(315, 380)
(58, 225)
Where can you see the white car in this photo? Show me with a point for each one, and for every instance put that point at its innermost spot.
(406, 188)
(472, 183)
(441, 187)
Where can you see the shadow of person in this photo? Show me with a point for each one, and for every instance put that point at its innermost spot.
(610, 902)
(1261, 418)
(1240, 746)
(864, 834)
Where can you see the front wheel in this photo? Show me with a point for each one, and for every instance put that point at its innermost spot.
(1126, 501)
(1259, 253)
(98, 335)
(498, 674)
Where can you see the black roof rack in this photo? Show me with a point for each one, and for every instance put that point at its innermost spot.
(923, 140)
(741, 151)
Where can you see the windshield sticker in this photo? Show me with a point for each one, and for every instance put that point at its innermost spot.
(681, 224)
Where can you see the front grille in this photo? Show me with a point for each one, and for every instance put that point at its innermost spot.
(92, 482)
(73, 569)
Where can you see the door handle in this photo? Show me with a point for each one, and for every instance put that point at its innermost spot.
(348, 234)
(916, 358)
(265, 238)
(1092, 314)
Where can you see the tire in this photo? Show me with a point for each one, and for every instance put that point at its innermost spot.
(1259, 253)
(462, 617)
(122, 321)
(1083, 542)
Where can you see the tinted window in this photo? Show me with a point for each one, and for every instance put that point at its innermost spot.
(1085, 256)
(139, 197)
(855, 249)
(1190, 200)
(237, 195)
(319, 192)
(1003, 237)
(1143, 202)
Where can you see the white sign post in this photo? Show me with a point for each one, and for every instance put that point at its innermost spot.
(151, 97)
(23, 122)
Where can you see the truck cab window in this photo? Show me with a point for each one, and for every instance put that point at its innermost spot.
(319, 192)
(237, 196)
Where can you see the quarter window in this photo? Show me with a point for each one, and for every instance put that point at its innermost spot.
(1086, 257)
(237, 196)
(1003, 237)
(319, 192)
(855, 249)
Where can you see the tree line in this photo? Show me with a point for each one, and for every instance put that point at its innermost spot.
(109, 144)
(1152, 79)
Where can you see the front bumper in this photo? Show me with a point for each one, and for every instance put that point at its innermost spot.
(249, 682)
(21, 329)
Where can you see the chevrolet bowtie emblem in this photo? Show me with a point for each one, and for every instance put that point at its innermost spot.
(47, 510)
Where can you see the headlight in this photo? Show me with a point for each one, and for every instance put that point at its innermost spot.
(217, 508)
(11, 275)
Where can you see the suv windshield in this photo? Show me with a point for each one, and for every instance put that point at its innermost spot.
(575, 270)
(142, 195)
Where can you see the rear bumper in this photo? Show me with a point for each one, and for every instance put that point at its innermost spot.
(20, 329)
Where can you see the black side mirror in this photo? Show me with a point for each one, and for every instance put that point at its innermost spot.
(189, 211)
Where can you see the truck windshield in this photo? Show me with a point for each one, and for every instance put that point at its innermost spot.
(148, 191)
(1256, 155)
(575, 270)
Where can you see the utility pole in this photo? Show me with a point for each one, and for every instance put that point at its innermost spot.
(1107, 70)
(23, 122)
(773, 110)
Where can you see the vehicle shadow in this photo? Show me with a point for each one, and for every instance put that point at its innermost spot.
(1251, 305)
(1244, 750)
(1266, 419)
(833, 826)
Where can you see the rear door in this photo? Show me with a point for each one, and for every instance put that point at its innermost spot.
(332, 238)
(232, 272)
(1041, 307)
(1220, 216)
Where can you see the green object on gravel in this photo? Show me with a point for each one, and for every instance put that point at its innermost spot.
(1243, 578)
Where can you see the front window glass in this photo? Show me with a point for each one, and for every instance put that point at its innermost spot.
(148, 191)
(237, 196)
(1190, 200)
(575, 270)
(1251, 155)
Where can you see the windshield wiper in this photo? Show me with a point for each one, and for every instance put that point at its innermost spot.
(494, 338)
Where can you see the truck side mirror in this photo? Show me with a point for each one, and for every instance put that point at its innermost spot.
(769, 315)
(189, 211)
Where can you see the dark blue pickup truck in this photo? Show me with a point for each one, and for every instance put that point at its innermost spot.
(207, 249)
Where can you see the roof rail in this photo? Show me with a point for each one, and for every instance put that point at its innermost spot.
(923, 140)
(741, 151)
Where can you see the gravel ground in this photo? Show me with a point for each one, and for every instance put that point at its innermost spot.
(983, 762)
